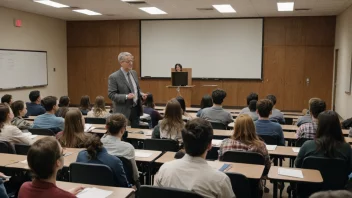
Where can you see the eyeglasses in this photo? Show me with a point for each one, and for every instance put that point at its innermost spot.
(129, 61)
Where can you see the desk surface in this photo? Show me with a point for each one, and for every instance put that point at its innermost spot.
(151, 158)
(116, 191)
(309, 175)
(7, 159)
(283, 151)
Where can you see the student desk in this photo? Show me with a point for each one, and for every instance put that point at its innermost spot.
(310, 176)
(116, 191)
(8, 159)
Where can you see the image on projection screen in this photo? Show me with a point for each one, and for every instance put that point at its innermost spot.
(213, 48)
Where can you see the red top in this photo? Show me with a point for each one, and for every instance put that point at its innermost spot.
(41, 189)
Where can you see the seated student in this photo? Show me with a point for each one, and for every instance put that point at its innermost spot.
(99, 110)
(332, 194)
(329, 141)
(171, 125)
(148, 108)
(244, 138)
(3, 193)
(276, 115)
(308, 130)
(49, 120)
(250, 97)
(178, 67)
(7, 98)
(216, 113)
(252, 110)
(34, 108)
(44, 171)
(192, 172)
(185, 115)
(307, 118)
(97, 154)
(19, 110)
(73, 135)
(263, 125)
(116, 126)
(206, 102)
(64, 104)
(8, 132)
(84, 105)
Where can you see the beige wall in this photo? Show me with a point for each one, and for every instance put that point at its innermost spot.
(37, 33)
(343, 42)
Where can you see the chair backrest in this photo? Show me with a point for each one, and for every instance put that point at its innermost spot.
(22, 149)
(270, 139)
(162, 192)
(6, 147)
(127, 166)
(161, 145)
(240, 185)
(95, 174)
(243, 157)
(218, 125)
(301, 141)
(37, 131)
(95, 120)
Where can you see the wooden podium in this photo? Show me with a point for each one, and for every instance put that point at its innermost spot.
(184, 91)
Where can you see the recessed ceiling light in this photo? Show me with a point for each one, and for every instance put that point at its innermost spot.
(152, 10)
(130, 0)
(225, 8)
(285, 6)
(51, 3)
(87, 12)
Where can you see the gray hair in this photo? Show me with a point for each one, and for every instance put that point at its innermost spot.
(123, 55)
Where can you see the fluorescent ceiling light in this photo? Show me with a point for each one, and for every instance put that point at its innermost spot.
(51, 3)
(87, 12)
(225, 8)
(131, 0)
(152, 10)
(285, 6)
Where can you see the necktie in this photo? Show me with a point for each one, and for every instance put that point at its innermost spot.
(130, 81)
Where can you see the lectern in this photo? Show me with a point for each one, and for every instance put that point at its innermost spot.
(184, 91)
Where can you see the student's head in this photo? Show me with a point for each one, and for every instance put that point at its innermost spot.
(252, 105)
(116, 124)
(19, 108)
(178, 67)
(7, 98)
(244, 130)
(34, 96)
(329, 133)
(264, 107)
(50, 103)
(197, 137)
(149, 101)
(207, 101)
(45, 158)
(173, 117)
(99, 106)
(5, 114)
(182, 103)
(126, 60)
(316, 107)
(85, 102)
(74, 129)
(252, 96)
(218, 96)
(272, 98)
(64, 101)
(93, 146)
(312, 100)
(332, 194)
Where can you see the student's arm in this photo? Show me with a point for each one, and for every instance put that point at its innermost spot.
(299, 132)
(229, 119)
(301, 155)
(134, 164)
(156, 132)
(226, 189)
(281, 136)
(19, 137)
(120, 174)
(113, 91)
(42, 110)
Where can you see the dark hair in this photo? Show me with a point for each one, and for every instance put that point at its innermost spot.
(178, 64)
(218, 96)
(64, 101)
(252, 105)
(316, 107)
(16, 107)
(197, 136)
(6, 98)
(93, 146)
(252, 96)
(332, 194)
(4, 112)
(46, 148)
(206, 101)
(272, 98)
(149, 101)
(34, 95)
(115, 123)
(182, 103)
(264, 107)
(49, 102)
(329, 134)
(85, 103)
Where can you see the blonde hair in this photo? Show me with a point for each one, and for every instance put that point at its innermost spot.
(99, 106)
(244, 131)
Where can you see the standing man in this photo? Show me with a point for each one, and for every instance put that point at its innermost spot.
(124, 91)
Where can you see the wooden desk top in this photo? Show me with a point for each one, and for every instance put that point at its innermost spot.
(154, 155)
(309, 175)
(289, 127)
(166, 157)
(283, 151)
(117, 191)
(218, 132)
(7, 159)
(290, 136)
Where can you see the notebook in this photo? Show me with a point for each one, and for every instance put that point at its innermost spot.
(290, 172)
(94, 193)
(271, 147)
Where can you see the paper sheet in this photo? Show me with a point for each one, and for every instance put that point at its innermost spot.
(290, 172)
(216, 142)
(148, 133)
(143, 154)
(24, 162)
(296, 150)
(33, 136)
(88, 128)
(93, 193)
(271, 147)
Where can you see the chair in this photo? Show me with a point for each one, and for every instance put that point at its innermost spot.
(334, 172)
(240, 185)
(95, 120)
(95, 174)
(22, 149)
(270, 139)
(161, 145)
(127, 166)
(218, 125)
(6, 147)
(37, 131)
(301, 141)
(162, 192)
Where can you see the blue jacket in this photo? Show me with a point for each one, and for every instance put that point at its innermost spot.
(34, 109)
(267, 127)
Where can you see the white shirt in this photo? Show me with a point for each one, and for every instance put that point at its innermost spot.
(194, 174)
(14, 135)
(133, 83)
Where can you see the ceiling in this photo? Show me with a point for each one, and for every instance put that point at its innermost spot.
(116, 9)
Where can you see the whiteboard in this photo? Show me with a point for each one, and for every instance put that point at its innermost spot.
(213, 48)
(20, 68)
